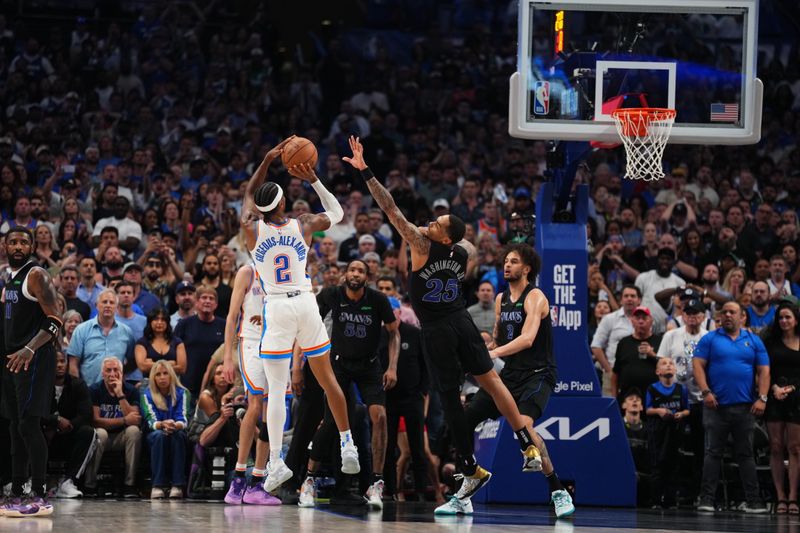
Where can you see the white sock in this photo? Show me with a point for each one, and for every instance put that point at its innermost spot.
(275, 456)
(241, 466)
(345, 437)
(259, 473)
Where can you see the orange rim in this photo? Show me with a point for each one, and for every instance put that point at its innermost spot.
(636, 120)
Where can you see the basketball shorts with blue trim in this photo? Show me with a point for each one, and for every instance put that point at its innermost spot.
(287, 319)
(252, 367)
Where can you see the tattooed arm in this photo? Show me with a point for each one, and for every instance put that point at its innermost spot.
(417, 241)
(40, 286)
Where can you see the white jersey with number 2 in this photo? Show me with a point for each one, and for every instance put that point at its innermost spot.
(280, 256)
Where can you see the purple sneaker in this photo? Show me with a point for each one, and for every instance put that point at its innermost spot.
(236, 492)
(30, 507)
(256, 495)
(9, 503)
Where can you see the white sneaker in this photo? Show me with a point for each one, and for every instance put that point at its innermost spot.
(472, 484)
(375, 495)
(350, 463)
(175, 493)
(562, 502)
(157, 493)
(7, 490)
(277, 474)
(308, 493)
(67, 489)
(454, 506)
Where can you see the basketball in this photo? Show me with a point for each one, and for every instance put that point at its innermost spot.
(299, 150)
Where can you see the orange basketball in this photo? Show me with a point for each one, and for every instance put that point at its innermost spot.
(299, 150)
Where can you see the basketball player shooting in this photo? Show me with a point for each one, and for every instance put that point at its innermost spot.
(30, 324)
(279, 246)
(439, 257)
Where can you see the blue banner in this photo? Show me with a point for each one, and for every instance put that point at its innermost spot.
(587, 442)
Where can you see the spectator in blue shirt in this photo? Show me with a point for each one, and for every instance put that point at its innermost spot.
(165, 403)
(726, 363)
(98, 338)
(116, 419)
(760, 310)
(144, 299)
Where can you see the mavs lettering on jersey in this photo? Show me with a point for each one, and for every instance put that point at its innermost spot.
(284, 240)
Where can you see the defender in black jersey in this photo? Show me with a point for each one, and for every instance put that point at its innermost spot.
(31, 322)
(523, 335)
(359, 315)
(453, 345)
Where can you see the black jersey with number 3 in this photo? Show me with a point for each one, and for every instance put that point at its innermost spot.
(356, 332)
(435, 289)
(539, 357)
(23, 315)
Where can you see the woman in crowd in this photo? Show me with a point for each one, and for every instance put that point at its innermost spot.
(165, 405)
(215, 411)
(71, 320)
(783, 407)
(734, 282)
(601, 309)
(159, 344)
(227, 268)
(47, 251)
(691, 250)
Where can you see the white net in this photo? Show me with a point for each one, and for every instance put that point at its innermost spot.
(644, 132)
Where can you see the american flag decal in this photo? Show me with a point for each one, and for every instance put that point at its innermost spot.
(724, 112)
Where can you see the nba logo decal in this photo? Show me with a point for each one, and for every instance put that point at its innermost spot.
(541, 98)
(554, 314)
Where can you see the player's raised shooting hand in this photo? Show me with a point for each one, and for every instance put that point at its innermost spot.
(304, 171)
(358, 154)
(278, 148)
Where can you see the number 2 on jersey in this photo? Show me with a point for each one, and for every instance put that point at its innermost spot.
(440, 292)
(282, 274)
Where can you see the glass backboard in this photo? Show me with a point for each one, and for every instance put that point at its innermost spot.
(578, 61)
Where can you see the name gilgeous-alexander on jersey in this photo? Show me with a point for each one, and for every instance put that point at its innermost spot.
(280, 256)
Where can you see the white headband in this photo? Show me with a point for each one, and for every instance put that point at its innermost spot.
(274, 203)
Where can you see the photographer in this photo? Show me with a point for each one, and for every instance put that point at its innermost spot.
(216, 409)
(161, 268)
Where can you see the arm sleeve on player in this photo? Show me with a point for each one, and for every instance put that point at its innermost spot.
(329, 202)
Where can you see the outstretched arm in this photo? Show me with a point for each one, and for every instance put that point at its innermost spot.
(416, 240)
(333, 213)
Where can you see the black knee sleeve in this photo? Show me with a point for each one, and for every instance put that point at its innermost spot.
(263, 434)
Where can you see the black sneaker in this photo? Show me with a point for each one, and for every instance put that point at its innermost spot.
(348, 498)
(90, 492)
(755, 508)
(706, 505)
(130, 493)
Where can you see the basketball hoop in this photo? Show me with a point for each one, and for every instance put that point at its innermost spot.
(644, 132)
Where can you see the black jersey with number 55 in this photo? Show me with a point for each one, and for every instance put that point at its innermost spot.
(435, 289)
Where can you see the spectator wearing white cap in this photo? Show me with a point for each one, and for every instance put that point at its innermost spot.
(373, 261)
(355, 247)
